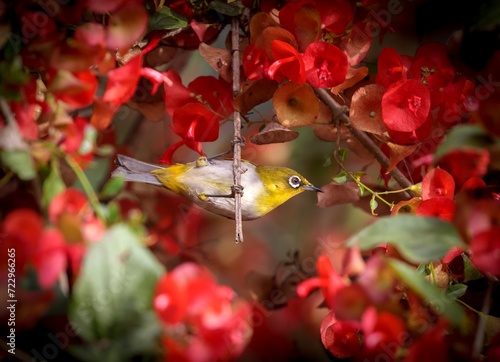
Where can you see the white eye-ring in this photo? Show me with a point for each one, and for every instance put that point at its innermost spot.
(294, 181)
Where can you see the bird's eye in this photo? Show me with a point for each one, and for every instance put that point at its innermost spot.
(295, 181)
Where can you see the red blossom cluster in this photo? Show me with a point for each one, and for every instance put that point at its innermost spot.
(51, 249)
(203, 321)
(69, 68)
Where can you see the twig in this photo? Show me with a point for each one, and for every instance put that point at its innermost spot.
(481, 326)
(237, 140)
(340, 114)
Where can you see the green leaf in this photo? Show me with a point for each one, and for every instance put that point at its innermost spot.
(112, 187)
(342, 154)
(456, 291)
(166, 19)
(435, 296)
(418, 239)
(470, 270)
(53, 184)
(340, 178)
(112, 297)
(424, 269)
(234, 8)
(373, 205)
(20, 162)
(466, 136)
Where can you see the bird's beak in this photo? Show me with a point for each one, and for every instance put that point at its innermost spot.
(312, 188)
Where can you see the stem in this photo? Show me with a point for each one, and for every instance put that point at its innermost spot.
(87, 187)
(80, 175)
(340, 114)
(481, 327)
(237, 140)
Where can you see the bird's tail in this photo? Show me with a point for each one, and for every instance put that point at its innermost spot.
(134, 170)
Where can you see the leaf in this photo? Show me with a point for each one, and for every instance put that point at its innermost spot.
(437, 299)
(424, 269)
(112, 187)
(456, 291)
(273, 132)
(112, 298)
(166, 19)
(466, 136)
(234, 8)
(337, 194)
(219, 59)
(20, 162)
(53, 184)
(257, 92)
(470, 270)
(418, 239)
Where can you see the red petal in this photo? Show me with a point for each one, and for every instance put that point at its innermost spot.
(326, 65)
(340, 337)
(391, 67)
(122, 81)
(438, 183)
(195, 122)
(441, 207)
(288, 62)
(406, 105)
(176, 94)
(50, 259)
(485, 248)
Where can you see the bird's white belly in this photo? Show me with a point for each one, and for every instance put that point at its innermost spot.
(216, 178)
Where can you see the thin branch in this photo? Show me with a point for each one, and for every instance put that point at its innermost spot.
(340, 113)
(481, 326)
(237, 140)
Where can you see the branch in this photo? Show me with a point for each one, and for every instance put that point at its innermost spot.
(340, 114)
(237, 140)
(481, 326)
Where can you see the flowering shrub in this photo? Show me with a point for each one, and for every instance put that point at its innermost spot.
(93, 269)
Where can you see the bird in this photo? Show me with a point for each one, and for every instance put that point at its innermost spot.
(208, 183)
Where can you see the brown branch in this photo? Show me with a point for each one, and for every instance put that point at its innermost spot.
(340, 113)
(237, 140)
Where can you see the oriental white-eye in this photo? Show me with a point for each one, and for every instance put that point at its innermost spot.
(207, 182)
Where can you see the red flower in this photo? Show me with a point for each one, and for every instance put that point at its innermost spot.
(392, 67)
(71, 212)
(441, 207)
(383, 333)
(340, 338)
(405, 105)
(431, 346)
(215, 93)
(176, 94)
(326, 65)
(255, 62)
(335, 14)
(463, 164)
(287, 63)
(75, 89)
(328, 280)
(216, 325)
(485, 248)
(169, 153)
(195, 122)
(438, 183)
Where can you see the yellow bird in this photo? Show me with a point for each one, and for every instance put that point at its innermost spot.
(207, 182)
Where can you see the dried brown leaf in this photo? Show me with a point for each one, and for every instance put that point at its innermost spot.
(273, 133)
(397, 153)
(337, 194)
(219, 59)
(254, 93)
